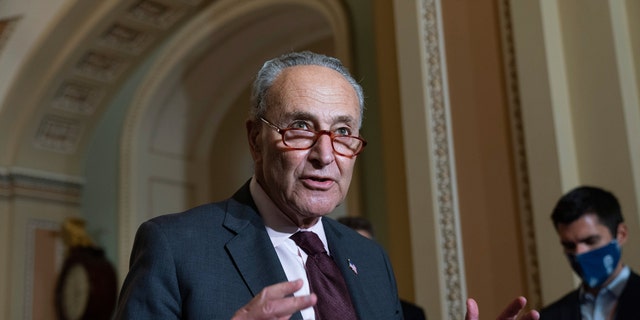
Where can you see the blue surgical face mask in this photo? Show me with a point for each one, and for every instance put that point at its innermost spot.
(595, 266)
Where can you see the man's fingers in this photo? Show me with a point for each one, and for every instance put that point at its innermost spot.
(280, 290)
(472, 310)
(275, 301)
(531, 315)
(509, 313)
(287, 306)
(272, 309)
(512, 310)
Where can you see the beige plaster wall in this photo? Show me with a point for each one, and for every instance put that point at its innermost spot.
(491, 235)
(577, 78)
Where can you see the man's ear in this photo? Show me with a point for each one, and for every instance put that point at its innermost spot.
(253, 134)
(622, 233)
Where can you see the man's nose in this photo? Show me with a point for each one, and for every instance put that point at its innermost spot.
(582, 248)
(322, 150)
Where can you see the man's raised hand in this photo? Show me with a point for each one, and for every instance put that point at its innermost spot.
(276, 302)
(509, 313)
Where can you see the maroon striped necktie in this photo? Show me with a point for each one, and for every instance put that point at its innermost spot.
(325, 280)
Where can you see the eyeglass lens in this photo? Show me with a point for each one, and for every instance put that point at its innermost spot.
(303, 139)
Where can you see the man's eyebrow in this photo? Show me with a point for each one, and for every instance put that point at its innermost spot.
(303, 115)
(345, 119)
(590, 238)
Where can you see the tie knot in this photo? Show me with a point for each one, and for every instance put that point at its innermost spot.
(309, 242)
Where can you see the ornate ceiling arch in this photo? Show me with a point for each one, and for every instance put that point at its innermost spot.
(199, 79)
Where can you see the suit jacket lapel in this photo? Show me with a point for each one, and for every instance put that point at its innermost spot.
(252, 252)
(340, 253)
(627, 308)
(251, 249)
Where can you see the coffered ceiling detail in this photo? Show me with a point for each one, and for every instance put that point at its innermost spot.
(113, 52)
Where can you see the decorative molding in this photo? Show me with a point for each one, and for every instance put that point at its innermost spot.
(58, 134)
(128, 39)
(159, 14)
(82, 91)
(530, 250)
(40, 185)
(101, 66)
(78, 97)
(444, 166)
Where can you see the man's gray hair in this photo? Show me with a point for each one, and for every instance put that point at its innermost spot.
(272, 69)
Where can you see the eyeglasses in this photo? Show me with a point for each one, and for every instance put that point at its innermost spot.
(301, 139)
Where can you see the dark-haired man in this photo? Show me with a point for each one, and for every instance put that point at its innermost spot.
(591, 229)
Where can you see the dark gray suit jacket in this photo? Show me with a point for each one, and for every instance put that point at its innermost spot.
(208, 262)
(568, 307)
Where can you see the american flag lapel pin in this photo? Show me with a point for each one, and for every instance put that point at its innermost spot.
(352, 266)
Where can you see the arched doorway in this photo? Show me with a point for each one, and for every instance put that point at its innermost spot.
(183, 141)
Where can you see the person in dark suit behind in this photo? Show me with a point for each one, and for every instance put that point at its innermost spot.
(243, 258)
(364, 227)
(592, 231)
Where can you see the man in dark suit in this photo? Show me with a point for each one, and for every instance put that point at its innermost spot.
(241, 258)
(591, 228)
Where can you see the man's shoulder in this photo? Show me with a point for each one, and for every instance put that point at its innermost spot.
(629, 298)
(211, 225)
(633, 285)
(228, 212)
(633, 276)
(240, 204)
(570, 303)
(210, 210)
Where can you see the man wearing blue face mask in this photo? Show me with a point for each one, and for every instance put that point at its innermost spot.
(591, 228)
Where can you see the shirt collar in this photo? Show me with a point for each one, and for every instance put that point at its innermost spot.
(615, 287)
(278, 226)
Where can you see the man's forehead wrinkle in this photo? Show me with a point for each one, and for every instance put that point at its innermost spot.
(321, 94)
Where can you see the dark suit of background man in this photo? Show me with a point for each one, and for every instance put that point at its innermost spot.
(234, 259)
(591, 228)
